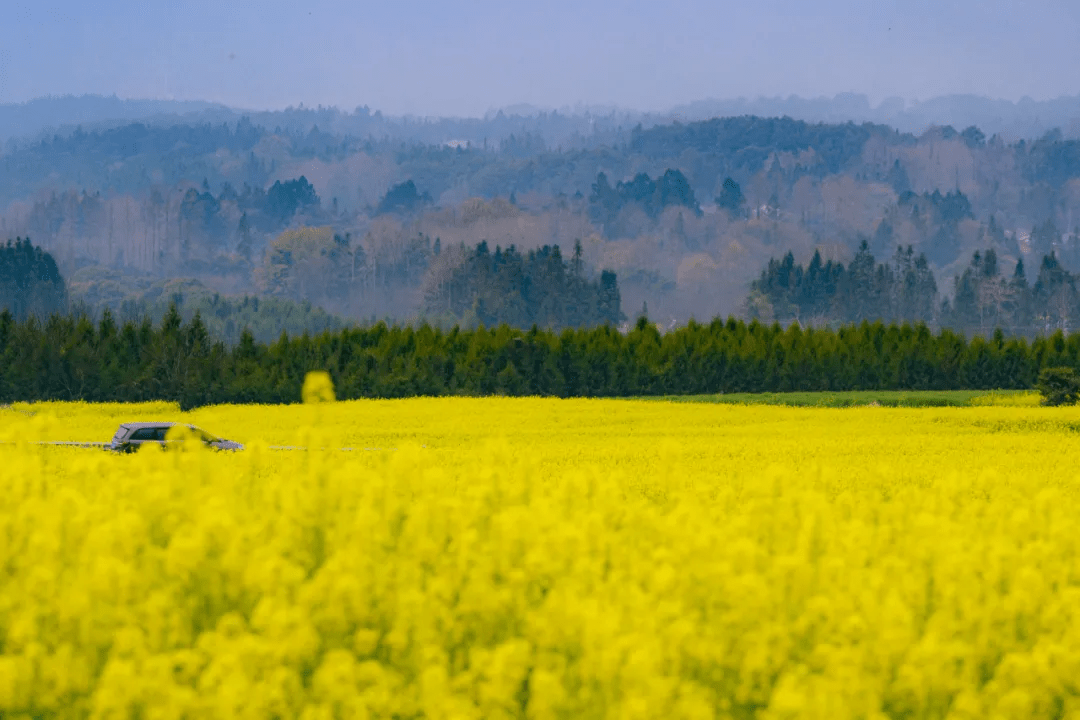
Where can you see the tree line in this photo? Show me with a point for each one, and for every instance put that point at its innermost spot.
(748, 141)
(985, 295)
(30, 282)
(827, 292)
(537, 287)
(473, 286)
(652, 196)
(72, 358)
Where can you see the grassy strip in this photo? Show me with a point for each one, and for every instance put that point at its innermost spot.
(884, 398)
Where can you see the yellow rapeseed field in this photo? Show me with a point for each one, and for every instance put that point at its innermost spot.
(542, 558)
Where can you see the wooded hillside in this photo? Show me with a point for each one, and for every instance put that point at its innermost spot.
(685, 215)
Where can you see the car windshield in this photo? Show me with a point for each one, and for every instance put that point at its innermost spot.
(206, 437)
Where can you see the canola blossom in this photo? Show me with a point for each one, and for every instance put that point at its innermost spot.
(543, 558)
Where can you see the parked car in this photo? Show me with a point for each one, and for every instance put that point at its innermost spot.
(131, 436)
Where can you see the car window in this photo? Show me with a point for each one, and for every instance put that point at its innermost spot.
(121, 434)
(145, 434)
(203, 435)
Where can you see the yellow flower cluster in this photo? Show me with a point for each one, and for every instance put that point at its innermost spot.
(540, 558)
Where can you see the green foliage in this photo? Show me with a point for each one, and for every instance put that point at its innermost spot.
(973, 137)
(284, 199)
(95, 290)
(938, 217)
(403, 198)
(984, 298)
(827, 292)
(1059, 386)
(746, 142)
(30, 283)
(731, 198)
(897, 177)
(671, 189)
(1052, 160)
(69, 358)
(522, 290)
(227, 318)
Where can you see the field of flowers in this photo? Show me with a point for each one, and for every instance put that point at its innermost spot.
(542, 558)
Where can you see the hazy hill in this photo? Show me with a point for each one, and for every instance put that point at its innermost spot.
(62, 113)
(561, 127)
(330, 207)
(1026, 118)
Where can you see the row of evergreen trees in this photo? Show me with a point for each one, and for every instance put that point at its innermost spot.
(30, 283)
(538, 287)
(903, 290)
(652, 196)
(985, 297)
(71, 358)
(827, 293)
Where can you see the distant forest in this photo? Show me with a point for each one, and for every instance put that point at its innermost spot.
(46, 354)
(30, 282)
(986, 297)
(362, 224)
(72, 358)
(536, 288)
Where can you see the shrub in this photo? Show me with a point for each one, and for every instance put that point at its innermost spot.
(1059, 386)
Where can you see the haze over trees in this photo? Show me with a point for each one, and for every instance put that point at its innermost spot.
(537, 288)
(335, 210)
(30, 283)
(527, 124)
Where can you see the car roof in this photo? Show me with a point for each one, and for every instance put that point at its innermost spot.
(140, 425)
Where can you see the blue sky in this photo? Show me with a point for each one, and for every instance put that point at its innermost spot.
(465, 58)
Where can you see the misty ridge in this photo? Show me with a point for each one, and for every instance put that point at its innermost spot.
(960, 212)
(562, 127)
